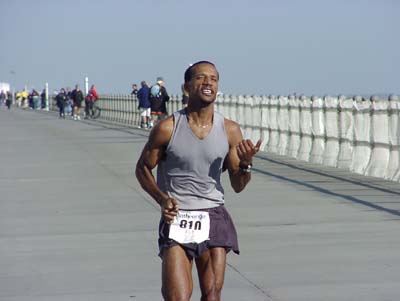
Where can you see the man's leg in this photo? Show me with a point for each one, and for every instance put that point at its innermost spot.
(211, 270)
(148, 114)
(87, 109)
(177, 282)
(91, 105)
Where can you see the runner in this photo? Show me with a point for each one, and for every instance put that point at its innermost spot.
(192, 148)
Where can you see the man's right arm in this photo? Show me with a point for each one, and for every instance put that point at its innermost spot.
(151, 155)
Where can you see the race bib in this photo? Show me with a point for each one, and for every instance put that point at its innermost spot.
(190, 227)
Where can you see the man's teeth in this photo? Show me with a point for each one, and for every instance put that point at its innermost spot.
(207, 91)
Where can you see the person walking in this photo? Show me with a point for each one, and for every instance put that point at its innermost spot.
(134, 90)
(43, 100)
(62, 102)
(158, 99)
(77, 97)
(69, 110)
(9, 98)
(35, 99)
(144, 105)
(90, 99)
(195, 226)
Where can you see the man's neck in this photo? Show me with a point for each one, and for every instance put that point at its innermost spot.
(203, 114)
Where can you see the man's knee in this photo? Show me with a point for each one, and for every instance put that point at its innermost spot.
(213, 294)
(175, 295)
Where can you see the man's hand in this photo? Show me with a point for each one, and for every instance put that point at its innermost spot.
(246, 150)
(169, 209)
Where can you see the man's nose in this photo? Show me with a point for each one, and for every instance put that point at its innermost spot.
(207, 80)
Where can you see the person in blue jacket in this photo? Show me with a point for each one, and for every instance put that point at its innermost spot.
(144, 105)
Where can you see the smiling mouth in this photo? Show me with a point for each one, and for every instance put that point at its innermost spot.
(207, 92)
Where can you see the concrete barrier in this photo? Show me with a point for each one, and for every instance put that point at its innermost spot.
(354, 133)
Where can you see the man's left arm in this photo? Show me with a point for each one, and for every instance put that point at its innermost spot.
(240, 156)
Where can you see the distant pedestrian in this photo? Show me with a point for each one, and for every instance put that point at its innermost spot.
(43, 99)
(77, 97)
(8, 99)
(2, 97)
(90, 99)
(70, 107)
(134, 90)
(24, 98)
(144, 105)
(35, 99)
(62, 102)
(158, 99)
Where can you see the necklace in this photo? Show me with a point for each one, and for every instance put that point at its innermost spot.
(203, 126)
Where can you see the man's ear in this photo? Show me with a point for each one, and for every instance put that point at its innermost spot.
(186, 87)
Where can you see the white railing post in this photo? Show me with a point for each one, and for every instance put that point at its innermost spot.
(362, 141)
(394, 139)
(283, 124)
(306, 141)
(294, 127)
(378, 164)
(331, 119)
(273, 125)
(265, 130)
(256, 119)
(318, 130)
(346, 131)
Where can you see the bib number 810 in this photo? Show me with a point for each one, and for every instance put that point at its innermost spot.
(184, 224)
(190, 227)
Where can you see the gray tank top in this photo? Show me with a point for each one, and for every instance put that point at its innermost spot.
(192, 167)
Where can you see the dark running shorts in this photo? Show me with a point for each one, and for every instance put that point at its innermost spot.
(222, 234)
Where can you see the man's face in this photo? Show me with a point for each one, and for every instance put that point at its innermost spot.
(204, 83)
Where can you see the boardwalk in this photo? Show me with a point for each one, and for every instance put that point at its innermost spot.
(75, 225)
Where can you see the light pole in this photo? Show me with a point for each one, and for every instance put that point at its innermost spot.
(12, 88)
(48, 102)
(86, 85)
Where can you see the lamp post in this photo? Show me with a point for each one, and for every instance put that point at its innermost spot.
(48, 102)
(13, 83)
(86, 85)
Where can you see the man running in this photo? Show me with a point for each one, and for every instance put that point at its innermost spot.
(192, 148)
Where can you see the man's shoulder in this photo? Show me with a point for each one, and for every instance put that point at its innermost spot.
(232, 128)
(229, 122)
(164, 128)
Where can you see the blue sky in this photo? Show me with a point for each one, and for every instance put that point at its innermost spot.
(259, 46)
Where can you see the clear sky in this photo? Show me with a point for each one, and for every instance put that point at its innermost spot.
(259, 46)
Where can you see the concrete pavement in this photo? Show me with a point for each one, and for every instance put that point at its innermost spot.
(75, 224)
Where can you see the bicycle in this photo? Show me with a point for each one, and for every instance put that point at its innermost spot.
(94, 111)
